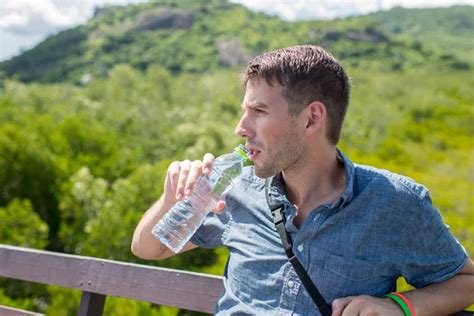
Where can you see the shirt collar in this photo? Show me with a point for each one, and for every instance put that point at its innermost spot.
(277, 190)
(348, 193)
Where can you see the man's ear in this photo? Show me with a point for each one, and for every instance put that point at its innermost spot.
(315, 116)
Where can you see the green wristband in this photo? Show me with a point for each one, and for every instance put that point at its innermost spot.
(400, 303)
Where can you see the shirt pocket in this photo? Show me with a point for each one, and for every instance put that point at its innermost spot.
(348, 276)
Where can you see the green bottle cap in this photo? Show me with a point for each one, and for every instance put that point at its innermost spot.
(243, 152)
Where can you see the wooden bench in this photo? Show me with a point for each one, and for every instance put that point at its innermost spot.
(97, 278)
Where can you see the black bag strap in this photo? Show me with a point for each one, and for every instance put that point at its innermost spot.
(279, 221)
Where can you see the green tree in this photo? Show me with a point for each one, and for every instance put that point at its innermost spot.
(21, 226)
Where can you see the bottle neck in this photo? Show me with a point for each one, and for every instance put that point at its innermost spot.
(241, 153)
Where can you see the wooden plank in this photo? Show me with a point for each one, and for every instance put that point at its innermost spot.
(193, 291)
(10, 311)
(92, 304)
(188, 290)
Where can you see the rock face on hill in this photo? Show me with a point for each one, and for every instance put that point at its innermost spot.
(231, 53)
(164, 18)
(201, 36)
(370, 35)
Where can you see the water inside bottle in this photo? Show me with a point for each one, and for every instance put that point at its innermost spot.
(182, 221)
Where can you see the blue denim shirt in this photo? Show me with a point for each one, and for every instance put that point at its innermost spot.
(383, 226)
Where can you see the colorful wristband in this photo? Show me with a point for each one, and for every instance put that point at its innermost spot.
(403, 303)
(406, 301)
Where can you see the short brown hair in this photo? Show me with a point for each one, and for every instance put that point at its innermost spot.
(307, 73)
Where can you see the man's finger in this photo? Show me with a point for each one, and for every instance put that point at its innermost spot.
(173, 175)
(220, 207)
(185, 166)
(207, 163)
(194, 173)
(339, 304)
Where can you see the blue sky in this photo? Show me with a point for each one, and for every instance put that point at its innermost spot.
(25, 23)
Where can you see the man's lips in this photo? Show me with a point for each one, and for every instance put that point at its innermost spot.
(253, 153)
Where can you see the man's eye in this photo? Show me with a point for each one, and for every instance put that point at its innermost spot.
(258, 111)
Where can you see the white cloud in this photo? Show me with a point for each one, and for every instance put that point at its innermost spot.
(23, 16)
(13, 19)
(327, 9)
(23, 23)
(308, 9)
(387, 4)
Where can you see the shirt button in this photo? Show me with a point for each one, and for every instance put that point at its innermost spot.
(291, 284)
(300, 248)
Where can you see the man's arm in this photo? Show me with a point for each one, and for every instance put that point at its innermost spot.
(181, 178)
(144, 244)
(442, 298)
(445, 297)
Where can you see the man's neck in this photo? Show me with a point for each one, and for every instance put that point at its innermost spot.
(317, 180)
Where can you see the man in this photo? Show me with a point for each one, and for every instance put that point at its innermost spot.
(355, 228)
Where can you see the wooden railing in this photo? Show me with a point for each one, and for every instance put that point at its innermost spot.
(97, 278)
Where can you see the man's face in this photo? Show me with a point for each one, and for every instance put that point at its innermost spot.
(274, 138)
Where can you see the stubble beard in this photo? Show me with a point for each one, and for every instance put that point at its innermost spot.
(282, 156)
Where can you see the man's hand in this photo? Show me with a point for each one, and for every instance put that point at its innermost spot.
(365, 305)
(181, 179)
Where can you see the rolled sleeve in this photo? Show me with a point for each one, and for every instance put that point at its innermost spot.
(433, 254)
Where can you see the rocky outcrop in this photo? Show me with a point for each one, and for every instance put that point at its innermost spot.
(231, 53)
(164, 18)
(369, 35)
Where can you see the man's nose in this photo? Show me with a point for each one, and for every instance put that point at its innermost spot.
(242, 129)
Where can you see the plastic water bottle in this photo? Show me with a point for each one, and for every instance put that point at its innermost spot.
(180, 223)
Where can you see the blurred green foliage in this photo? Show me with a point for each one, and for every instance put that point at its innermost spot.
(80, 163)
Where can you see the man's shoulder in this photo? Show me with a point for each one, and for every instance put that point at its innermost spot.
(247, 184)
(248, 176)
(369, 177)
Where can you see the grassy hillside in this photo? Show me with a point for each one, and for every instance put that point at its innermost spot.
(447, 32)
(200, 36)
